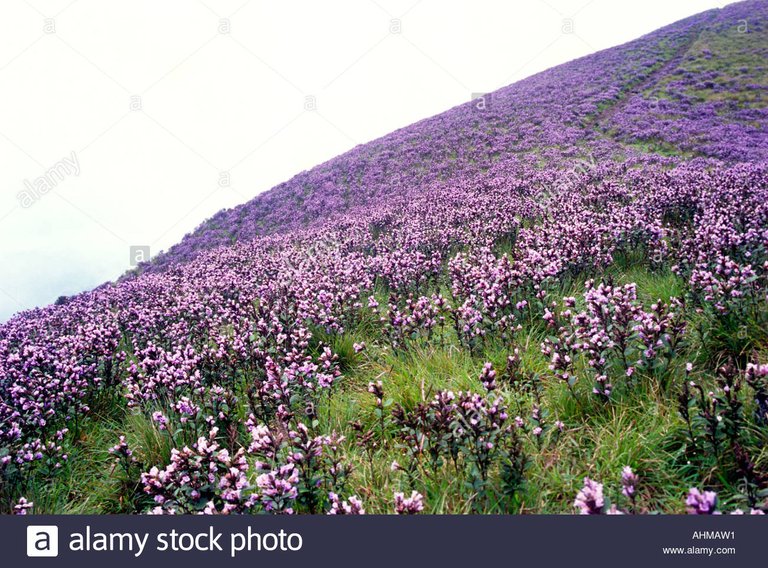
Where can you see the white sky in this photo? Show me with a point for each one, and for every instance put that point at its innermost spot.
(233, 102)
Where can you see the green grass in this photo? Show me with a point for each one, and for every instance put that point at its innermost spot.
(640, 427)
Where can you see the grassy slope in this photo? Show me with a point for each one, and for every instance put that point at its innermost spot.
(641, 428)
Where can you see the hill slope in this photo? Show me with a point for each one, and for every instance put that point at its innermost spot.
(485, 308)
(695, 88)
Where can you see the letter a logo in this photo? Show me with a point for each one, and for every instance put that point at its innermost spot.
(42, 541)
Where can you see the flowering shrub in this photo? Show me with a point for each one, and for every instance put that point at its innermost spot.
(278, 489)
(660, 333)
(417, 321)
(293, 469)
(491, 293)
(726, 286)
(467, 430)
(203, 478)
(613, 333)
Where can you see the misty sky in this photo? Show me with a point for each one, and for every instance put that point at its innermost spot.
(128, 124)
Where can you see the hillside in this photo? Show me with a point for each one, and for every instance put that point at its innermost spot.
(693, 89)
(556, 303)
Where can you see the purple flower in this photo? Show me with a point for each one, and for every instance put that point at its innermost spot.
(409, 505)
(589, 499)
(353, 506)
(628, 483)
(22, 506)
(701, 503)
(488, 377)
(278, 489)
(121, 449)
(160, 419)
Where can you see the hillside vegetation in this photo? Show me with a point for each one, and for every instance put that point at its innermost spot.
(556, 303)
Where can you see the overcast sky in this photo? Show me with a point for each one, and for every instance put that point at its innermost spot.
(128, 123)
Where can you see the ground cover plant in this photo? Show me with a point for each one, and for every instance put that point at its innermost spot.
(554, 304)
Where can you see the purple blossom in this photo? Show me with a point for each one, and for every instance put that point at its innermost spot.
(629, 483)
(409, 505)
(352, 506)
(589, 499)
(701, 503)
(22, 506)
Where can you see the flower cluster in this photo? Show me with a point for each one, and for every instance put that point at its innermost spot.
(418, 319)
(613, 331)
(22, 507)
(591, 499)
(469, 430)
(701, 503)
(202, 478)
(409, 505)
(352, 506)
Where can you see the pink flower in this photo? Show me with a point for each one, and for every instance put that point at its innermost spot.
(590, 500)
(409, 505)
